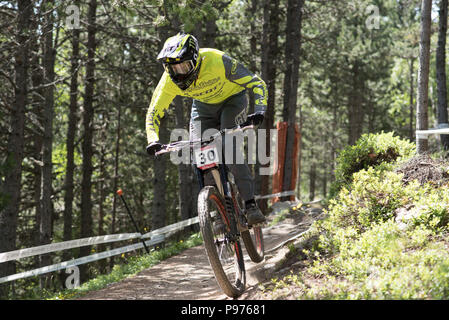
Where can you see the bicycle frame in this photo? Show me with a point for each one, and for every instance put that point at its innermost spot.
(220, 176)
(219, 173)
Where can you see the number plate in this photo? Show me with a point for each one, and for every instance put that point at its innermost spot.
(206, 157)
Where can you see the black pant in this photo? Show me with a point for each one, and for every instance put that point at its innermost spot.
(231, 112)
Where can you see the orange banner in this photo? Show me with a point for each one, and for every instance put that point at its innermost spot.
(278, 176)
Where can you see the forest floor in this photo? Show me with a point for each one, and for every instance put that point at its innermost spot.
(426, 170)
(188, 276)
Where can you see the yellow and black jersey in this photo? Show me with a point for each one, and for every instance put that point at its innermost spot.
(220, 77)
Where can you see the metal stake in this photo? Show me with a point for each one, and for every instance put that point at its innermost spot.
(120, 193)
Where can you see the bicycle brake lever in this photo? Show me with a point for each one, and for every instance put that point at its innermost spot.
(162, 151)
(251, 126)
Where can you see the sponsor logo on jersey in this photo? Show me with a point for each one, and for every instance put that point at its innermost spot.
(203, 84)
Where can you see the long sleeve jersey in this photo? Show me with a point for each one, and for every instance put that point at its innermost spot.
(220, 77)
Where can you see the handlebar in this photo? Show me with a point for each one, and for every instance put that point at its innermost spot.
(178, 145)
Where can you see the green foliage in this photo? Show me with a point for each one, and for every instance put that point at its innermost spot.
(387, 262)
(374, 196)
(371, 150)
(382, 239)
(430, 209)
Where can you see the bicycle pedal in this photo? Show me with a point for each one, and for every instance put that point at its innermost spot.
(257, 225)
(242, 227)
(242, 223)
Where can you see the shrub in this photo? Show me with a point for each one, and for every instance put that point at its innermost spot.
(430, 210)
(371, 150)
(388, 263)
(385, 234)
(374, 197)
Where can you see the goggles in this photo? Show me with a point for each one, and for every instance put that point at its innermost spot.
(180, 69)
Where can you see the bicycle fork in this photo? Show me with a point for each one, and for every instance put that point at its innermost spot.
(220, 177)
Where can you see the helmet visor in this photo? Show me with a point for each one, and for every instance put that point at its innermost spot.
(182, 68)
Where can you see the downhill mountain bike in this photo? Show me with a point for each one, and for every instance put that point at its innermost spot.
(221, 214)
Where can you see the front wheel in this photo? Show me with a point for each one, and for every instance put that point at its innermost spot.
(223, 249)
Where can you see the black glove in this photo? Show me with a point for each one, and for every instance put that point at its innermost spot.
(254, 119)
(154, 147)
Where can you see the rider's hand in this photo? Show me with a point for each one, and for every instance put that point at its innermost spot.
(154, 147)
(254, 119)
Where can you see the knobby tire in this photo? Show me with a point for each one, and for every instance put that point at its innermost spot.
(252, 238)
(209, 201)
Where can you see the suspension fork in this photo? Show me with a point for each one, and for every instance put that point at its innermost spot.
(230, 210)
(221, 181)
(200, 177)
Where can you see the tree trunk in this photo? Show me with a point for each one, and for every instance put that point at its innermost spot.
(412, 105)
(70, 142)
(251, 9)
(253, 45)
(159, 212)
(325, 162)
(185, 183)
(87, 148)
(159, 207)
(355, 104)
(188, 190)
(121, 98)
(46, 203)
(312, 177)
(101, 213)
(10, 200)
(269, 54)
(37, 103)
(115, 179)
(298, 182)
(292, 53)
(441, 74)
(324, 181)
(422, 122)
(211, 33)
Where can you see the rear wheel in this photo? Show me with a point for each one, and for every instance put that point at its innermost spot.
(252, 237)
(224, 253)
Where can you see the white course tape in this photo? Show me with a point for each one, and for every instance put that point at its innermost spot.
(280, 194)
(170, 228)
(157, 236)
(83, 260)
(423, 134)
(23, 253)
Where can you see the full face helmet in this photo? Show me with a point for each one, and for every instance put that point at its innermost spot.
(180, 58)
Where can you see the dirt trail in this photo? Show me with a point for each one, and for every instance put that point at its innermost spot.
(188, 276)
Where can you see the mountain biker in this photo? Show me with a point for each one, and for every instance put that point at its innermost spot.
(217, 84)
